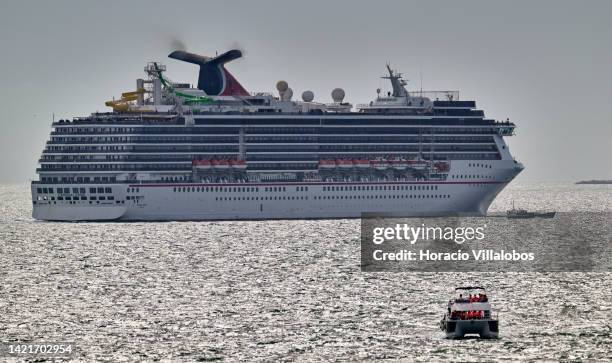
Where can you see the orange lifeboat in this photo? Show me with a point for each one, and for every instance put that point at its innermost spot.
(238, 164)
(361, 163)
(344, 163)
(379, 164)
(417, 164)
(201, 164)
(398, 163)
(223, 164)
(327, 164)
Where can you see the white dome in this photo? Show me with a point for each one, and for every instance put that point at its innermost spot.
(337, 95)
(281, 86)
(307, 96)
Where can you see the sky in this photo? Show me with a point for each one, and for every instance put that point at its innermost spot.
(546, 65)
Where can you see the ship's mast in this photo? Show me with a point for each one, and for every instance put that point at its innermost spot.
(397, 83)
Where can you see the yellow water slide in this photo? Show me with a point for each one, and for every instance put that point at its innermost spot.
(123, 104)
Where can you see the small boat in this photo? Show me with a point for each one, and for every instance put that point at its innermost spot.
(524, 214)
(469, 312)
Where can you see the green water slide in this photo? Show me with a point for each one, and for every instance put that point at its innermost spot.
(187, 99)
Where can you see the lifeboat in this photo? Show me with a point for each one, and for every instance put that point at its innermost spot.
(344, 163)
(379, 164)
(417, 164)
(398, 163)
(327, 164)
(361, 163)
(238, 164)
(220, 164)
(201, 164)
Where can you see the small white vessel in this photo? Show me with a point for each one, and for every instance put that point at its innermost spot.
(469, 312)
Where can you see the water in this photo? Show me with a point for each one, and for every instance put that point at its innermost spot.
(277, 290)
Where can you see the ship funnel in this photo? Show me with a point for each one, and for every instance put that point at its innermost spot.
(214, 79)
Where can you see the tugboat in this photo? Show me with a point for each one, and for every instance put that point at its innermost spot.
(523, 213)
(469, 312)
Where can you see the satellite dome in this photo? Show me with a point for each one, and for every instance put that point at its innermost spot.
(287, 94)
(307, 96)
(337, 95)
(281, 86)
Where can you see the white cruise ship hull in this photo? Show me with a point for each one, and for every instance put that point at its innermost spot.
(292, 200)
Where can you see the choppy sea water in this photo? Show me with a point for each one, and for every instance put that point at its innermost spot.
(278, 291)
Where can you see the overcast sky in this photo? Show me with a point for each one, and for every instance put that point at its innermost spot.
(544, 64)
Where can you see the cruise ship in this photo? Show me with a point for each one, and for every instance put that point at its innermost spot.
(214, 151)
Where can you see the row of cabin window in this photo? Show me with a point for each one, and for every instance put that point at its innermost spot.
(74, 190)
(480, 165)
(405, 196)
(379, 187)
(234, 189)
(301, 189)
(471, 177)
(71, 179)
(301, 197)
(110, 197)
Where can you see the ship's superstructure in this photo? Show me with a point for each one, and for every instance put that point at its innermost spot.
(169, 151)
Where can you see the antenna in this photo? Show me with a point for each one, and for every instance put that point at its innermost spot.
(421, 76)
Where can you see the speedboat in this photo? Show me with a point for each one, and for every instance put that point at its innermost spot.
(469, 312)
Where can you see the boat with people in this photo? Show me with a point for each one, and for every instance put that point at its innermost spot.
(469, 312)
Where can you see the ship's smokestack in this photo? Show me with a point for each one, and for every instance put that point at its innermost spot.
(214, 79)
